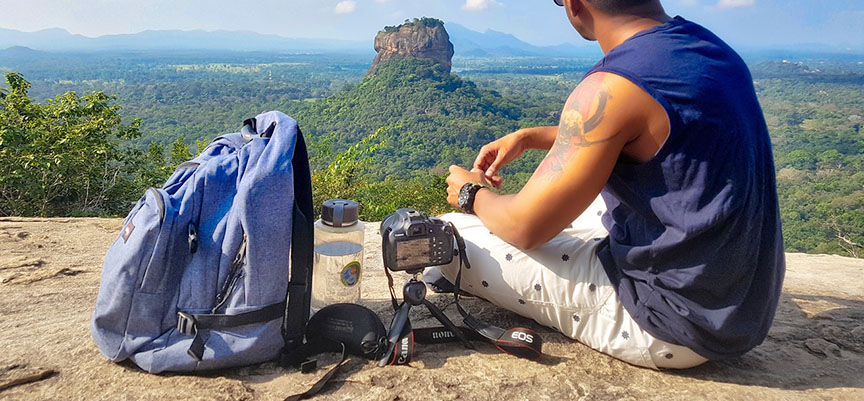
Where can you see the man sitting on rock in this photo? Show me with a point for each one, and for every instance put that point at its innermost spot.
(687, 262)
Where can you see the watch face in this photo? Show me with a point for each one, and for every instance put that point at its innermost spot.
(463, 198)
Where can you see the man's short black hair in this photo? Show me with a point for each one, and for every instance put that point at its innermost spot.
(618, 6)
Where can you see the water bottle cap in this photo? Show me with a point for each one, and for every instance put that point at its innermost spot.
(339, 212)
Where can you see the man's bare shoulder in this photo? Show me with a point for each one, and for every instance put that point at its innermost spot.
(600, 87)
(586, 109)
(604, 114)
(623, 107)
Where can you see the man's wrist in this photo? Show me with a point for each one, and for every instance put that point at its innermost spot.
(481, 194)
(525, 137)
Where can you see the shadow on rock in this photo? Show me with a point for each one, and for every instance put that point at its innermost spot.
(815, 342)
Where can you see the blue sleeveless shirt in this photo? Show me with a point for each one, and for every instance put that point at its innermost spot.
(695, 249)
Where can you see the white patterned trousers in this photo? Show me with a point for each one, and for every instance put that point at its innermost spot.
(562, 285)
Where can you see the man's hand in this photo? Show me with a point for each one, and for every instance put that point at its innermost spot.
(495, 155)
(458, 178)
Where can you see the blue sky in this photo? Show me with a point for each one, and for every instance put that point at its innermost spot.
(744, 23)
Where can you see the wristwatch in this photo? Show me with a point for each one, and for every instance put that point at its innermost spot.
(467, 195)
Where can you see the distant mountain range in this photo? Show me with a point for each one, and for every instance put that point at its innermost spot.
(56, 39)
(468, 43)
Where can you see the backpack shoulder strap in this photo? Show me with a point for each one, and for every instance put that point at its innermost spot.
(299, 286)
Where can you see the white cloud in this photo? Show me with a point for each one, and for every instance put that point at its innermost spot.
(478, 5)
(735, 3)
(346, 7)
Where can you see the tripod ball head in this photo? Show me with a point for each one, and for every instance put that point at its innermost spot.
(414, 292)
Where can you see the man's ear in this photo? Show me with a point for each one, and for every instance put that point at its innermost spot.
(574, 6)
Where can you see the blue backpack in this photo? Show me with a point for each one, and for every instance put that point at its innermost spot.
(214, 269)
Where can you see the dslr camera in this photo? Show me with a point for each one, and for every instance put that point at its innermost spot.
(411, 242)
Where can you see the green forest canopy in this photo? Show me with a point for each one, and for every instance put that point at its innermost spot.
(395, 133)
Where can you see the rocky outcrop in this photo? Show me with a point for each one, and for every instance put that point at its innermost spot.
(815, 349)
(423, 38)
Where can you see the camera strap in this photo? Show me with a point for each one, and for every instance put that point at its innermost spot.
(519, 341)
(299, 359)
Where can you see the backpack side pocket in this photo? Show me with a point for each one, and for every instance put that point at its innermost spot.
(135, 263)
(156, 269)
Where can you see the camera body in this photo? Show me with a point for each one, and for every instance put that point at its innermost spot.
(411, 241)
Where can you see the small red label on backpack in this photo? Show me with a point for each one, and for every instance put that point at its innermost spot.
(127, 231)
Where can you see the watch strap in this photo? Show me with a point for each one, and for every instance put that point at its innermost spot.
(471, 188)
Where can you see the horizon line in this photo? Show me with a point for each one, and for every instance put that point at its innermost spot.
(584, 44)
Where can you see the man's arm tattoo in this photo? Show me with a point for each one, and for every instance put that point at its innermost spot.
(574, 130)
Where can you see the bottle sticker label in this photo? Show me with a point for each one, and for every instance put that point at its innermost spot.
(351, 274)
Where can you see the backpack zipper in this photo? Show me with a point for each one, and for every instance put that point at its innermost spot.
(233, 277)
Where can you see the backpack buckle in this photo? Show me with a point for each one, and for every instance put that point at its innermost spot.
(192, 238)
(186, 324)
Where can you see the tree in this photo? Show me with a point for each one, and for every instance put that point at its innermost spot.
(347, 175)
(344, 175)
(849, 237)
(63, 157)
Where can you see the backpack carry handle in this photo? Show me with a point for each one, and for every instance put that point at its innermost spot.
(249, 130)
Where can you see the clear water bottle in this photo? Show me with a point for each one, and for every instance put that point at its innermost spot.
(338, 261)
